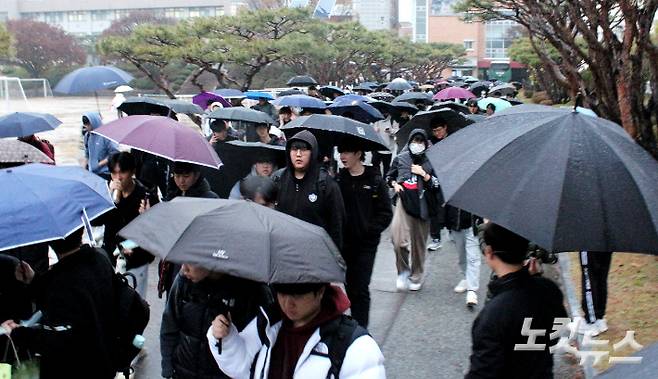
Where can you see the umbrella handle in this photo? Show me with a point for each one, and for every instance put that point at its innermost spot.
(87, 225)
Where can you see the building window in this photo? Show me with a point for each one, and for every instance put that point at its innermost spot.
(500, 35)
(121, 13)
(77, 16)
(54, 17)
(101, 15)
(219, 11)
(468, 44)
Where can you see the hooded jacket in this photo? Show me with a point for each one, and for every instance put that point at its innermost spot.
(188, 313)
(497, 328)
(419, 197)
(200, 189)
(363, 359)
(97, 147)
(367, 206)
(315, 198)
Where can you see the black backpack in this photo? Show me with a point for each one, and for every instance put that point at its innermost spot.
(132, 316)
(338, 335)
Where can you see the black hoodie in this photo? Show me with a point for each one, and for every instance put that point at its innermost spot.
(200, 189)
(315, 198)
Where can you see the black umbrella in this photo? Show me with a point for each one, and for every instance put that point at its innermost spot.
(395, 108)
(241, 114)
(238, 158)
(301, 81)
(238, 238)
(333, 130)
(404, 106)
(357, 110)
(415, 97)
(362, 87)
(515, 102)
(457, 107)
(425, 120)
(382, 96)
(330, 91)
(182, 106)
(478, 87)
(503, 89)
(138, 105)
(562, 179)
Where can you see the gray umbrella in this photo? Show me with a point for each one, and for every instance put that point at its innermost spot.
(241, 114)
(415, 97)
(238, 238)
(182, 106)
(565, 180)
(15, 151)
(503, 89)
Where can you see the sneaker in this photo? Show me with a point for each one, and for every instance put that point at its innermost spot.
(588, 328)
(415, 286)
(461, 287)
(402, 283)
(434, 245)
(471, 299)
(602, 325)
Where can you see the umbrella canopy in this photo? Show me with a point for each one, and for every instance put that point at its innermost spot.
(139, 105)
(516, 102)
(357, 110)
(457, 107)
(21, 124)
(301, 81)
(44, 202)
(91, 79)
(242, 114)
(401, 85)
(372, 85)
(451, 93)
(182, 106)
(123, 89)
(394, 108)
(362, 87)
(499, 103)
(425, 120)
(469, 79)
(204, 98)
(382, 96)
(292, 91)
(238, 238)
(300, 101)
(257, 95)
(564, 180)
(239, 157)
(404, 106)
(478, 87)
(503, 89)
(352, 97)
(229, 93)
(475, 117)
(328, 91)
(334, 130)
(15, 151)
(415, 97)
(163, 137)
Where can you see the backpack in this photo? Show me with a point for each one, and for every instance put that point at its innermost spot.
(338, 335)
(132, 316)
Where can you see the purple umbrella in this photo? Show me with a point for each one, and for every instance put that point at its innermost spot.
(203, 98)
(163, 137)
(453, 93)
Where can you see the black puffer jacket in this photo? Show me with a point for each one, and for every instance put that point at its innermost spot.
(367, 206)
(316, 198)
(189, 311)
(75, 294)
(498, 328)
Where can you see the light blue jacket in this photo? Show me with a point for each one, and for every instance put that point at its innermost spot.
(97, 147)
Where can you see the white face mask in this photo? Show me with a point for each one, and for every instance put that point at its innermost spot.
(416, 148)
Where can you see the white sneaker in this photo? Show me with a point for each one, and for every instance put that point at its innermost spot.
(471, 299)
(588, 328)
(461, 287)
(434, 245)
(602, 325)
(415, 286)
(402, 283)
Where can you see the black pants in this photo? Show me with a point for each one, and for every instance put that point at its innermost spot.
(357, 281)
(595, 266)
(385, 159)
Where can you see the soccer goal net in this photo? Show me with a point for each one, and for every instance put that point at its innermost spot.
(12, 95)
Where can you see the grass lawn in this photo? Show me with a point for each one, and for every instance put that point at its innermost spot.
(632, 299)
